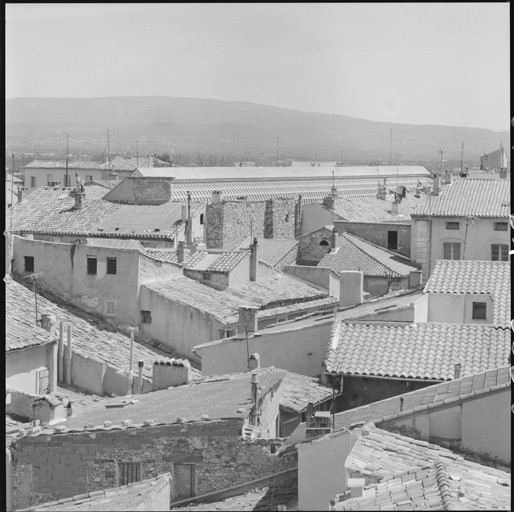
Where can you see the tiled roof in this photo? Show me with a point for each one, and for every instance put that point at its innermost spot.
(300, 390)
(79, 397)
(219, 396)
(169, 255)
(131, 164)
(215, 262)
(272, 250)
(418, 475)
(92, 338)
(135, 496)
(51, 210)
(317, 304)
(357, 254)
(22, 332)
(94, 191)
(475, 277)
(420, 351)
(473, 198)
(44, 164)
(372, 209)
(115, 244)
(458, 390)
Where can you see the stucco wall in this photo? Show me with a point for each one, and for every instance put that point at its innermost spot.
(58, 176)
(320, 276)
(457, 308)
(63, 271)
(176, 324)
(222, 458)
(151, 269)
(321, 470)
(314, 216)
(300, 350)
(21, 366)
(377, 233)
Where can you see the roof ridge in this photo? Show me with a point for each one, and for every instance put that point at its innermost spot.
(444, 485)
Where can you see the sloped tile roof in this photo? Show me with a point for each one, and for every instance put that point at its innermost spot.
(419, 351)
(22, 332)
(465, 388)
(300, 390)
(94, 191)
(79, 397)
(273, 250)
(92, 338)
(206, 261)
(44, 164)
(372, 209)
(116, 244)
(135, 496)
(415, 474)
(357, 254)
(473, 198)
(169, 255)
(218, 396)
(475, 277)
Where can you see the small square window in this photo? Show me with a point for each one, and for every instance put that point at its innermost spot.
(91, 266)
(33, 182)
(129, 472)
(501, 226)
(110, 307)
(146, 317)
(479, 310)
(206, 276)
(29, 263)
(453, 225)
(111, 265)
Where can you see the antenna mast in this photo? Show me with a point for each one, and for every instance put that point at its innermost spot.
(108, 147)
(391, 147)
(461, 157)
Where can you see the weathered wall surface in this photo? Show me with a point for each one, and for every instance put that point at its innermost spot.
(58, 175)
(142, 190)
(377, 233)
(47, 468)
(457, 308)
(320, 276)
(296, 350)
(315, 216)
(151, 269)
(309, 248)
(279, 218)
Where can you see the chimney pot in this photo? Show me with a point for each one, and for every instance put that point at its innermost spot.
(216, 196)
(254, 260)
(448, 176)
(457, 369)
(79, 198)
(334, 239)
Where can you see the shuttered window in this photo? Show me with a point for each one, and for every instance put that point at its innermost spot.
(451, 251)
(501, 226)
(91, 266)
(479, 311)
(499, 252)
(29, 263)
(453, 225)
(129, 472)
(111, 265)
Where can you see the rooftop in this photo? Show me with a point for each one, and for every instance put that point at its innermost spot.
(354, 253)
(417, 402)
(22, 331)
(61, 164)
(475, 277)
(219, 397)
(135, 496)
(415, 351)
(418, 475)
(272, 250)
(300, 390)
(469, 198)
(92, 338)
(214, 262)
(372, 209)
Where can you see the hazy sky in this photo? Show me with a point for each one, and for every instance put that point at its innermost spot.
(435, 63)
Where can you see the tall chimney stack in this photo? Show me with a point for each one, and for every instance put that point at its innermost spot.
(254, 264)
(457, 369)
(181, 252)
(448, 176)
(334, 239)
(436, 187)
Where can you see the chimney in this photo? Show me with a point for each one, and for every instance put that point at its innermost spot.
(382, 190)
(356, 486)
(255, 362)
(503, 173)
(192, 249)
(189, 233)
(351, 288)
(436, 186)
(79, 198)
(48, 322)
(328, 202)
(456, 374)
(334, 239)
(182, 252)
(184, 213)
(216, 196)
(318, 424)
(171, 373)
(20, 194)
(255, 398)
(248, 318)
(253, 260)
(395, 207)
(448, 176)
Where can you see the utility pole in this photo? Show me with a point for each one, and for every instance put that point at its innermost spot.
(396, 172)
(12, 207)
(108, 149)
(391, 147)
(441, 153)
(67, 152)
(137, 153)
(277, 150)
(461, 157)
(342, 153)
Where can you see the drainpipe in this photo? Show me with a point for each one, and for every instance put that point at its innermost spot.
(131, 374)
(60, 354)
(69, 355)
(140, 365)
(255, 395)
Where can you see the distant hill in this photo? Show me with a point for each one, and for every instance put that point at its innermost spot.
(246, 130)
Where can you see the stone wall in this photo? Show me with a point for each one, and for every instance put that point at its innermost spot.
(309, 248)
(51, 467)
(21, 405)
(279, 218)
(152, 269)
(218, 280)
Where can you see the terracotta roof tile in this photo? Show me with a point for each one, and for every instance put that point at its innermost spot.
(424, 350)
(44, 164)
(273, 250)
(215, 262)
(22, 332)
(475, 198)
(357, 254)
(300, 390)
(475, 277)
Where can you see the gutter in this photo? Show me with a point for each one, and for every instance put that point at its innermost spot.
(432, 381)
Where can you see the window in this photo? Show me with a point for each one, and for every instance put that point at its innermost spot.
(453, 225)
(206, 276)
(91, 266)
(501, 226)
(287, 217)
(499, 252)
(451, 251)
(392, 240)
(33, 182)
(42, 381)
(111, 265)
(110, 307)
(146, 317)
(129, 472)
(29, 263)
(479, 310)
(323, 243)
(201, 218)
(280, 320)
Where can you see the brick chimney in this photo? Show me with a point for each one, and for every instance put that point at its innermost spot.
(254, 260)
(171, 373)
(248, 318)
(334, 239)
(48, 322)
(255, 362)
(216, 196)
(448, 176)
